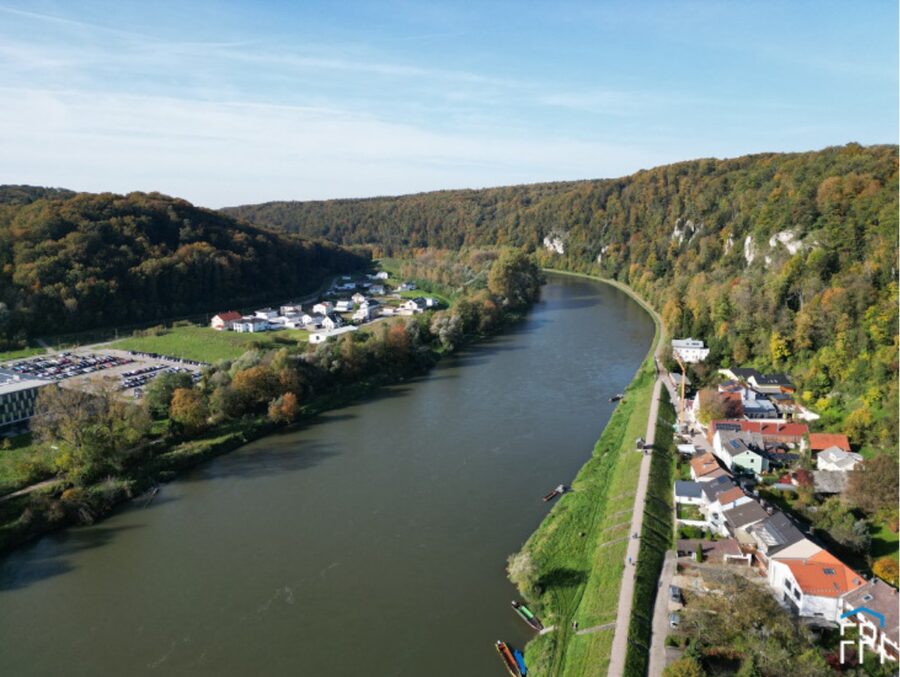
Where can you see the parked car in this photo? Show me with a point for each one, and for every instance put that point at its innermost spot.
(675, 594)
(674, 620)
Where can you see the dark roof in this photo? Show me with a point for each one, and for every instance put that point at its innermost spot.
(744, 373)
(689, 489)
(777, 532)
(745, 514)
(773, 380)
(713, 488)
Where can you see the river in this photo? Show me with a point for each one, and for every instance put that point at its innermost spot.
(372, 541)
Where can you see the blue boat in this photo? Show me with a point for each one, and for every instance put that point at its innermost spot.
(520, 661)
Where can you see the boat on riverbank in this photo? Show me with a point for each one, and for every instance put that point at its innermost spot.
(520, 662)
(509, 660)
(525, 614)
(559, 491)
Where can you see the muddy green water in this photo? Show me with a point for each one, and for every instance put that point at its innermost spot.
(371, 542)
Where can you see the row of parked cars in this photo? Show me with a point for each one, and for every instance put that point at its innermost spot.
(66, 365)
(138, 378)
(178, 360)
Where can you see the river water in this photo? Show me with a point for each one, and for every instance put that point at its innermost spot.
(370, 542)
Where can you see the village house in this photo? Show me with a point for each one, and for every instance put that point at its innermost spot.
(874, 609)
(771, 383)
(331, 322)
(377, 290)
(358, 299)
(687, 493)
(723, 501)
(705, 468)
(822, 441)
(266, 313)
(416, 305)
(343, 306)
(737, 520)
(837, 460)
(407, 286)
(380, 275)
(322, 336)
(290, 309)
(690, 350)
(813, 585)
(773, 535)
(250, 324)
(737, 452)
(323, 308)
(774, 432)
(225, 321)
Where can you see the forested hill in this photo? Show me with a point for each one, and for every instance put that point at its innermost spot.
(782, 261)
(78, 261)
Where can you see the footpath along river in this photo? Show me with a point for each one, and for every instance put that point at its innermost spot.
(373, 541)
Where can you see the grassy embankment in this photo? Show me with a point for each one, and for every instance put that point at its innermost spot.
(20, 353)
(656, 538)
(579, 549)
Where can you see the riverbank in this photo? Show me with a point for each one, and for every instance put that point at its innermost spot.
(577, 554)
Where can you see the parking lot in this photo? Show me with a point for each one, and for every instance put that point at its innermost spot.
(125, 371)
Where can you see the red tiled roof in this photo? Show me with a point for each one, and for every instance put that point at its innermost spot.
(765, 429)
(821, 441)
(733, 494)
(704, 464)
(230, 316)
(824, 575)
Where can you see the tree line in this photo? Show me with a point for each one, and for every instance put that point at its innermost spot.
(71, 262)
(781, 262)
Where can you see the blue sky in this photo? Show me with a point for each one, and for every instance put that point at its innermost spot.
(233, 102)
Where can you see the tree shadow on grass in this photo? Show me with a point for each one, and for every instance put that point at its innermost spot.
(562, 577)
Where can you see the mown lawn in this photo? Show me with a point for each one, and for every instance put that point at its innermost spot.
(884, 542)
(20, 353)
(208, 345)
(579, 549)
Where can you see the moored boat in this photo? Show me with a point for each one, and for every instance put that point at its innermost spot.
(526, 615)
(509, 660)
(559, 491)
(520, 662)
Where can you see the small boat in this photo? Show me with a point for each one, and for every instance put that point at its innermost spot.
(617, 397)
(508, 659)
(520, 662)
(559, 491)
(526, 615)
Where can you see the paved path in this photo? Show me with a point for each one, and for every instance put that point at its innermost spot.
(661, 617)
(626, 592)
(596, 628)
(30, 488)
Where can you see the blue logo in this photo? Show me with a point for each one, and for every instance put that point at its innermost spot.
(867, 610)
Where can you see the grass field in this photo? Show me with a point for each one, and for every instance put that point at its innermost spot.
(884, 542)
(15, 473)
(579, 549)
(208, 345)
(20, 353)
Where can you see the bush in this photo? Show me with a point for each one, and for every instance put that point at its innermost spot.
(886, 569)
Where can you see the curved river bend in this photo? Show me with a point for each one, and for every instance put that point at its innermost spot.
(372, 542)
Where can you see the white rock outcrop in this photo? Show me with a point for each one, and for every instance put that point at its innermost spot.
(555, 243)
(749, 250)
(789, 239)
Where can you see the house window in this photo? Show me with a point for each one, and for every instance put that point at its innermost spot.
(797, 595)
(867, 598)
(828, 572)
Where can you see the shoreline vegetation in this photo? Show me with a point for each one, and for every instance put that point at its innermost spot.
(106, 450)
(570, 569)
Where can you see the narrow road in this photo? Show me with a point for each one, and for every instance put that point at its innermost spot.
(661, 618)
(626, 592)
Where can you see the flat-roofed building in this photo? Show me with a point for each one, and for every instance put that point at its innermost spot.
(17, 398)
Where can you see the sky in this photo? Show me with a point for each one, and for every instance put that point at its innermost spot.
(236, 102)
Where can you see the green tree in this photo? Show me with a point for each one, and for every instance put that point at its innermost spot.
(684, 667)
(158, 393)
(516, 278)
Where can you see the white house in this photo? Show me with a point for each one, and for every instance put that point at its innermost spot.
(331, 322)
(738, 520)
(224, 321)
(358, 299)
(688, 493)
(723, 502)
(690, 350)
(343, 306)
(407, 286)
(774, 535)
(291, 309)
(836, 459)
(380, 275)
(323, 308)
(377, 289)
(322, 336)
(307, 319)
(365, 313)
(416, 305)
(266, 313)
(813, 585)
(250, 325)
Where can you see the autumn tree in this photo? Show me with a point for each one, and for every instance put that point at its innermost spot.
(284, 409)
(873, 487)
(516, 278)
(188, 410)
(158, 393)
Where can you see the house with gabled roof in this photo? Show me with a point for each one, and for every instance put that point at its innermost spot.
(813, 586)
(223, 321)
(822, 441)
(835, 459)
(705, 467)
(738, 519)
(773, 535)
(736, 453)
